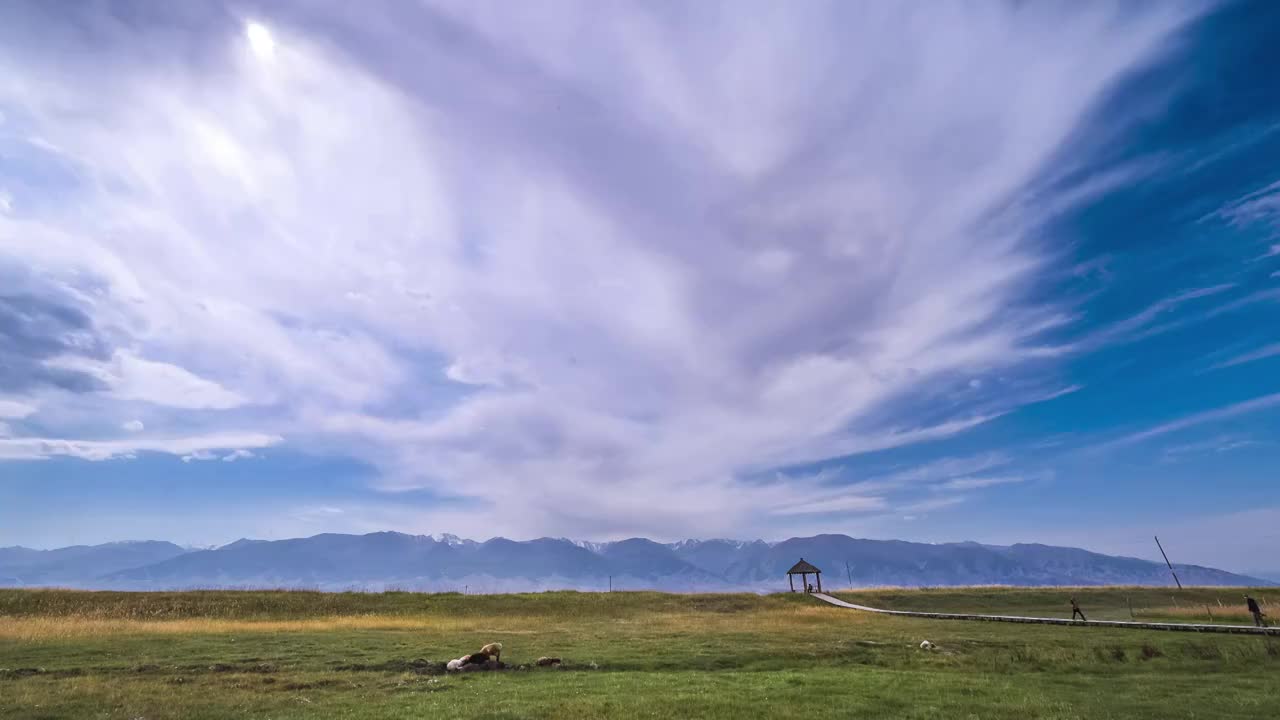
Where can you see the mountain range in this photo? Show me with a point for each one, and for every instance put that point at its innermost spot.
(389, 560)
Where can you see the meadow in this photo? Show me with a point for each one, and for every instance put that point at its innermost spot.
(273, 654)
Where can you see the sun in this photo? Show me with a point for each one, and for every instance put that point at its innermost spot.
(260, 40)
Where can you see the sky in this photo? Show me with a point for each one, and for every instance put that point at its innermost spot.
(1005, 272)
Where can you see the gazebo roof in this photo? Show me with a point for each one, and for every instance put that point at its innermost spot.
(802, 567)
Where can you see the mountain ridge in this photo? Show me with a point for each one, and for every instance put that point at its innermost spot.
(384, 560)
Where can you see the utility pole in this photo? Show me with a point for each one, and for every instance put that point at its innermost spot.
(848, 572)
(1166, 562)
(610, 583)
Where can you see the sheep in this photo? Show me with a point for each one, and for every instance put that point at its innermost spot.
(477, 660)
(467, 662)
(494, 649)
(546, 661)
(926, 645)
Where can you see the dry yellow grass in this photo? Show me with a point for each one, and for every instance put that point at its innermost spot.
(41, 628)
(1220, 614)
(33, 628)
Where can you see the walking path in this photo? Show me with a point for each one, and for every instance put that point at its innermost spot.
(1183, 627)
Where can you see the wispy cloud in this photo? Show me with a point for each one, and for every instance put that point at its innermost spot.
(197, 447)
(1217, 444)
(15, 410)
(933, 504)
(975, 483)
(584, 281)
(1261, 206)
(1261, 353)
(937, 471)
(1142, 324)
(1209, 416)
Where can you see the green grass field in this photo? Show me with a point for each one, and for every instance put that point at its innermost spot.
(67, 654)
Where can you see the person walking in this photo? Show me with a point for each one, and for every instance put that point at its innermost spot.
(1257, 611)
(1075, 610)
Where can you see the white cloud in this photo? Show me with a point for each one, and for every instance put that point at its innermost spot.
(1261, 206)
(130, 377)
(975, 483)
(237, 455)
(15, 410)
(1261, 353)
(937, 471)
(1217, 444)
(932, 504)
(1263, 402)
(1054, 394)
(848, 503)
(588, 295)
(197, 447)
(1142, 324)
(133, 426)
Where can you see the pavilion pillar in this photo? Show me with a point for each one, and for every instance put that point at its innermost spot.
(819, 582)
(791, 580)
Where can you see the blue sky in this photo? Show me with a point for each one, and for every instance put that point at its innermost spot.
(1000, 272)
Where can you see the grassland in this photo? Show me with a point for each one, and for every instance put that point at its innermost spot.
(70, 654)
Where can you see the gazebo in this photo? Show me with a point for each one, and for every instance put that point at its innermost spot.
(804, 570)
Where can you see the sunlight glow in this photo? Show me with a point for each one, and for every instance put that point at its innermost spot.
(260, 40)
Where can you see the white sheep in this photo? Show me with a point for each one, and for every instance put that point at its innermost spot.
(926, 645)
(454, 665)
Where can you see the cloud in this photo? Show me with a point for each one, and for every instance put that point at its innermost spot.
(841, 505)
(937, 471)
(1261, 206)
(1054, 394)
(1218, 444)
(584, 283)
(1142, 325)
(237, 455)
(15, 410)
(133, 426)
(129, 377)
(39, 322)
(932, 504)
(1261, 353)
(975, 483)
(195, 447)
(1263, 402)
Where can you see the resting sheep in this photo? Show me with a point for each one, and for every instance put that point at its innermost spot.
(494, 649)
(926, 645)
(478, 660)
